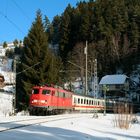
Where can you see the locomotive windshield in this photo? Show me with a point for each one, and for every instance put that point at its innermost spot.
(45, 92)
(35, 91)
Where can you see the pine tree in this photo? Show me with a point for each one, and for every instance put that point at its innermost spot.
(85, 22)
(65, 32)
(54, 30)
(5, 45)
(15, 42)
(38, 65)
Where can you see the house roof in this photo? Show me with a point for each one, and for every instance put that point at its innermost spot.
(113, 79)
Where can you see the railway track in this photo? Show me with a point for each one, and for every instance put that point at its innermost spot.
(16, 124)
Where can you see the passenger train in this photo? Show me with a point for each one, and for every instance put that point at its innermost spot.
(46, 100)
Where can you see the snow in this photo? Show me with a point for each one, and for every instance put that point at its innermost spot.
(6, 104)
(113, 79)
(7, 92)
(78, 127)
(8, 76)
(6, 100)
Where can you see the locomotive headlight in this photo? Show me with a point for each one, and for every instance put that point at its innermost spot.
(34, 101)
(39, 101)
(42, 101)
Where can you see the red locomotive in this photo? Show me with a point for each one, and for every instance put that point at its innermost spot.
(50, 99)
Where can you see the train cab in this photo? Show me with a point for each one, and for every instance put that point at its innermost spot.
(40, 96)
(49, 99)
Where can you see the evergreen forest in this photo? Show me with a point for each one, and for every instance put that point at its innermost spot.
(54, 51)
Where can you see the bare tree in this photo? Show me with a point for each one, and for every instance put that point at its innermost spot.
(115, 47)
(77, 59)
(123, 115)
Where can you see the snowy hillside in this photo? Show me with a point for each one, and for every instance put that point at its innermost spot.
(7, 92)
(6, 71)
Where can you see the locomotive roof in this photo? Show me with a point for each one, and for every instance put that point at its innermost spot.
(55, 88)
(60, 88)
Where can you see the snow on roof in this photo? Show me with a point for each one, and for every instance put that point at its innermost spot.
(113, 79)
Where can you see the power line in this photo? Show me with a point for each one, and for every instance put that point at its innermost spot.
(10, 21)
(21, 10)
(6, 7)
(77, 66)
(28, 68)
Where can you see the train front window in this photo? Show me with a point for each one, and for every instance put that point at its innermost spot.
(45, 92)
(35, 91)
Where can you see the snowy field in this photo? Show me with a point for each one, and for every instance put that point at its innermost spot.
(78, 127)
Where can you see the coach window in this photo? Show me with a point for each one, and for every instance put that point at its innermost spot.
(81, 101)
(78, 101)
(84, 101)
(87, 101)
(45, 92)
(92, 102)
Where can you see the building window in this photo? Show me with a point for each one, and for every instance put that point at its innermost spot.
(117, 86)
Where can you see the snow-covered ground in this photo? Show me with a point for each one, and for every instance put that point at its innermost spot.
(6, 102)
(80, 128)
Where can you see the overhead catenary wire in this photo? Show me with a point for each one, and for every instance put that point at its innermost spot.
(4, 14)
(6, 7)
(28, 68)
(78, 66)
(11, 22)
(25, 14)
(22, 11)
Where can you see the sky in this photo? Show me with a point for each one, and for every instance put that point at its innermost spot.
(16, 16)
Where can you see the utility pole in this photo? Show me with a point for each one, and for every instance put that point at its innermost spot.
(14, 80)
(91, 75)
(105, 89)
(95, 88)
(85, 52)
